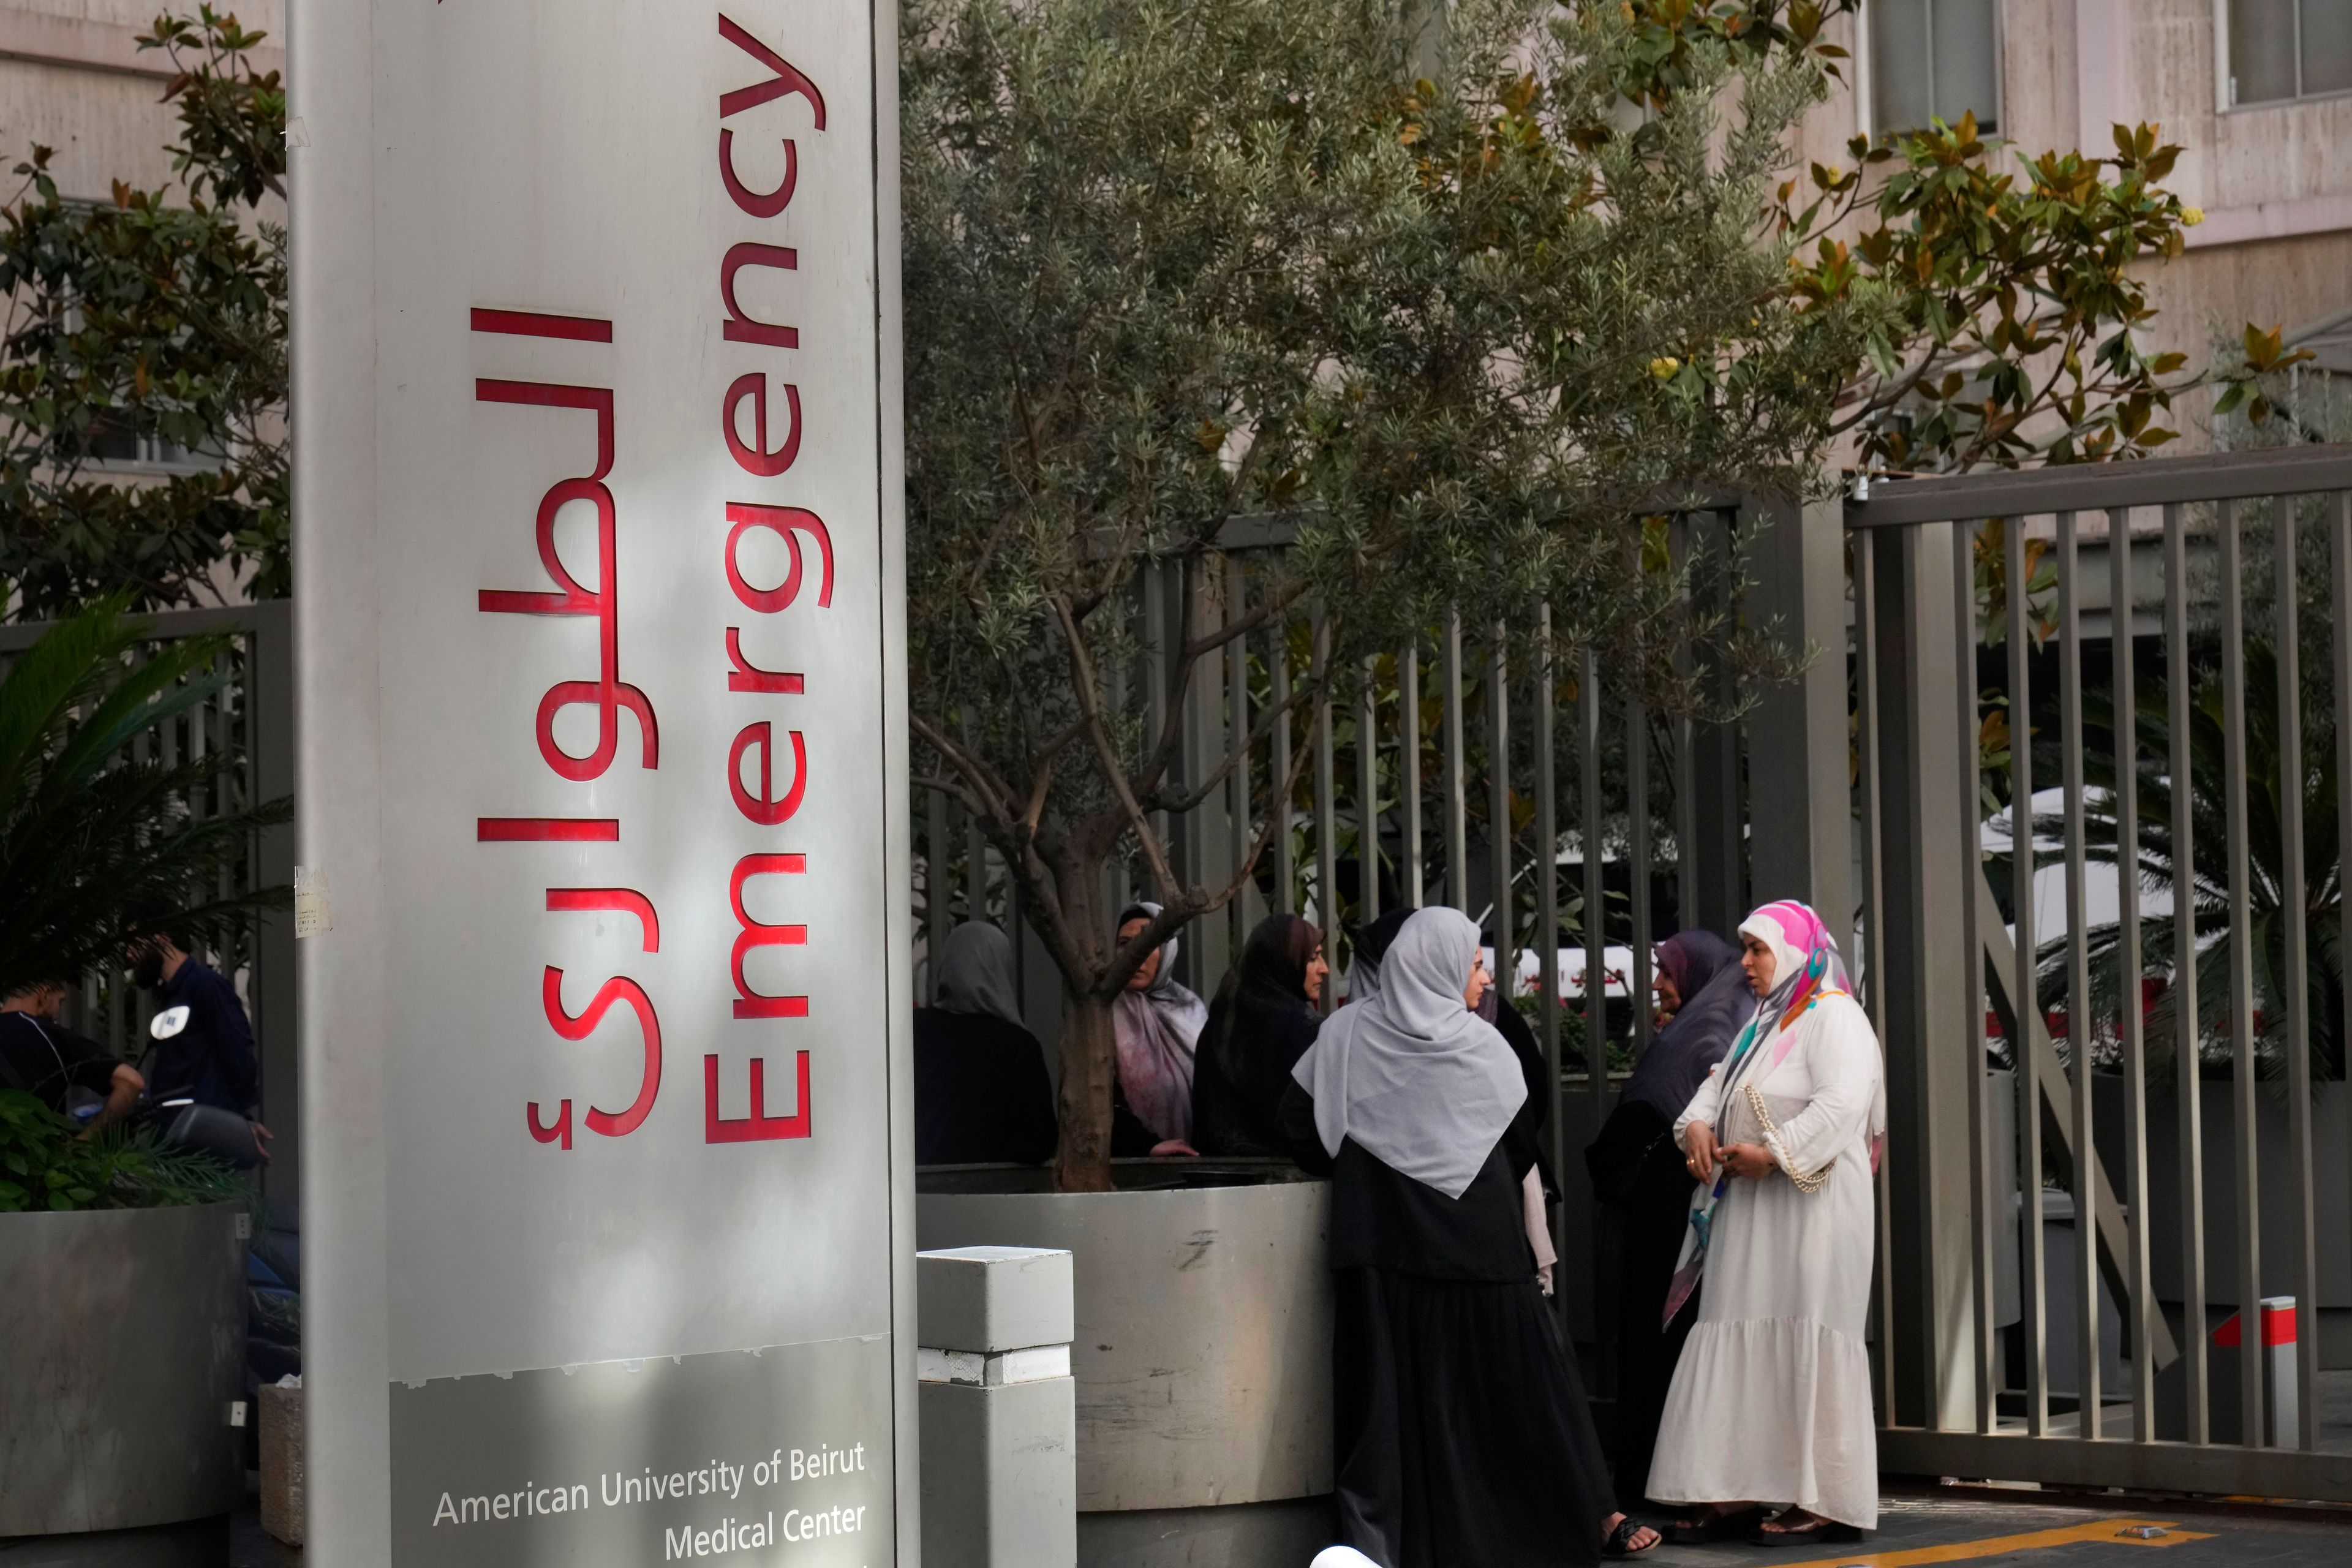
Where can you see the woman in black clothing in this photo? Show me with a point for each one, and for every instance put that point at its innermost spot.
(1540, 1185)
(1264, 1018)
(1638, 1171)
(981, 1089)
(1461, 1432)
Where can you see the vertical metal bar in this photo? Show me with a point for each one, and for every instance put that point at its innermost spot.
(2024, 988)
(1458, 858)
(1637, 832)
(1157, 631)
(1237, 729)
(2294, 918)
(2242, 983)
(2339, 515)
(1982, 1215)
(2078, 986)
(975, 870)
(1409, 786)
(1498, 815)
(935, 885)
(1368, 806)
(1547, 870)
(1286, 853)
(1873, 884)
(1119, 683)
(1596, 936)
(2139, 1312)
(2187, 1078)
(1326, 848)
(1678, 553)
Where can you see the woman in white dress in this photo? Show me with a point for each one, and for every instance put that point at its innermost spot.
(1770, 1401)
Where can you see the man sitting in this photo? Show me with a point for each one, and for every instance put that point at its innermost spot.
(48, 1061)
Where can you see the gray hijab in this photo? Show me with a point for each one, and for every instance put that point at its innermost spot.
(1417, 1080)
(976, 973)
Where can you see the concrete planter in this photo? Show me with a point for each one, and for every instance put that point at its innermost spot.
(121, 1336)
(1202, 1353)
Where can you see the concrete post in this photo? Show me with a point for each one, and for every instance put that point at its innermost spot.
(1797, 748)
(1717, 855)
(999, 1409)
(1924, 781)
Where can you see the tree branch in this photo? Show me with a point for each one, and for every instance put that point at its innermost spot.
(990, 789)
(1082, 672)
(1300, 695)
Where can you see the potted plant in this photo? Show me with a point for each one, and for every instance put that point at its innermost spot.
(1173, 272)
(1441, 299)
(121, 1328)
(122, 1260)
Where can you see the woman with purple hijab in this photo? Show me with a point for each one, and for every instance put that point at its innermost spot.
(1639, 1172)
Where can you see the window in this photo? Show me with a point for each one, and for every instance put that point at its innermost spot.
(111, 446)
(2281, 50)
(1935, 59)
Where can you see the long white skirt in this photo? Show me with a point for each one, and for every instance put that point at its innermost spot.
(1770, 1401)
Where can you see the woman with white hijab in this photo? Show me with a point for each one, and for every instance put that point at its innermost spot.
(1770, 1401)
(1461, 1432)
(981, 1089)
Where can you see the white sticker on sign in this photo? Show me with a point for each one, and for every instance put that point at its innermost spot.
(313, 913)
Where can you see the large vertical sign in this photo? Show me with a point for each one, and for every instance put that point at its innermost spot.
(596, 509)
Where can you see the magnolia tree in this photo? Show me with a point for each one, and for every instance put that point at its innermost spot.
(152, 323)
(1458, 297)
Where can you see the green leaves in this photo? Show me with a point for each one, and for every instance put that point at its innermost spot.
(2020, 281)
(142, 375)
(90, 835)
(46, 1165)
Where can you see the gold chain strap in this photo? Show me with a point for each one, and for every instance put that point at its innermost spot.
(1804, 1183)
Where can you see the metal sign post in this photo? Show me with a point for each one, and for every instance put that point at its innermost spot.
(607, 1205)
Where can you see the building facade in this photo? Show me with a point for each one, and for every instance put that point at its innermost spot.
(2258, 93)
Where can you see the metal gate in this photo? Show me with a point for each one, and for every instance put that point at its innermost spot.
(1873, 786)
(2109, 1123)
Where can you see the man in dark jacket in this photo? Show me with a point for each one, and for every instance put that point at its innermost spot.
(211, 1059)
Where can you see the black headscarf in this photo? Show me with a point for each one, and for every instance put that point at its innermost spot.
(1260, 1024)
(1716, 1003)
(1372, 945)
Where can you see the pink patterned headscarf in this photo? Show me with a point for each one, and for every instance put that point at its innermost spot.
(1806, 962)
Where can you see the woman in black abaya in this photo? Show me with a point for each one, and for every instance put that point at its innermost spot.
(1637, 1169)
(1461, 1432)
(1264, 1018)
(981, 1089)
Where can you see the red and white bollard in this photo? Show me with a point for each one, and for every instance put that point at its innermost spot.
(2282, 1418)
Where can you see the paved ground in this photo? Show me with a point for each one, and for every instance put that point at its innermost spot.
(1919, 1529)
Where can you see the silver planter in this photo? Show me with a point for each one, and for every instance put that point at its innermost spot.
(1202, 1353)
(121, 1341)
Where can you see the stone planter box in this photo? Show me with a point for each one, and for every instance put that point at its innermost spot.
(121, 1345)
(1202, 1351)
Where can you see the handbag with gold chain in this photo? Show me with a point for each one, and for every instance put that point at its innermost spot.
(1805, 1182)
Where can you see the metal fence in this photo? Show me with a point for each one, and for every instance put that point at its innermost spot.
(251, 719)
(2102, 626)
(1991, 626)
(1493, 769)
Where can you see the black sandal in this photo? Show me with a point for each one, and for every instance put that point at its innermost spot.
(1820, 1532)
(1621, 1540)
(1732, 1526)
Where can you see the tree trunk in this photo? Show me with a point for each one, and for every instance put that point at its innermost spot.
(1089, 1058)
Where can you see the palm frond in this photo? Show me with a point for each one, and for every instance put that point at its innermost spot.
(93, 836)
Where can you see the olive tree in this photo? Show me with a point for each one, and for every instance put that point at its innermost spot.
(1458, 297)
